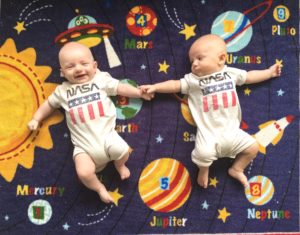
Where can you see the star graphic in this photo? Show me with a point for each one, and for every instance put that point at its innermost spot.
(116, 196)
(143, 67)
(188, 31)
(163, 67)
(223, 214)
(66, 226)
(279, 62)
(159, 139)
(247, 91)
(20, 27)
(205, 205)
(6, 217)
(213, 181)
(280, 92)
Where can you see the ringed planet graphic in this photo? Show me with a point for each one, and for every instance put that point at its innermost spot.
(185, 110)
(84, 29)
(165, 185)
(236, 28)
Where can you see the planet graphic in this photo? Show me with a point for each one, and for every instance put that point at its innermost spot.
(236, 28)
(260, 190)
(227, 24)
(84, 29)
(127, 107)
(39, 212)
(186, 112)
(141, 21)
(164, 185)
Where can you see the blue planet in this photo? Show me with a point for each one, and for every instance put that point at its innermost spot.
(230, 26)
(127, 108)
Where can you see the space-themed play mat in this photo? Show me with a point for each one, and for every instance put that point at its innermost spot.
(144, 42)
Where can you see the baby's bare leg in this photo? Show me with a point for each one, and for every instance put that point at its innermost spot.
(241, 162)
(202, 178)
(85, 168)
(121, 167)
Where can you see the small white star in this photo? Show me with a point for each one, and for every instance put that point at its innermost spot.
(203, 1)
(6, 217)
(205, 205)
(280, 92)
(66, 226)
(66, 135)
(159, 139)
(143, 67)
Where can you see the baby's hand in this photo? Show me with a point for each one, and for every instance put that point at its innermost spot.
(33, 125)
(144, 94)
(150, 89)
(275, 70)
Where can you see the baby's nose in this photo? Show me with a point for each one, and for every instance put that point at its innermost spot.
(78, 67)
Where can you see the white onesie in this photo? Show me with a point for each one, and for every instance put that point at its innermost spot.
(91, 117)
(215, 107)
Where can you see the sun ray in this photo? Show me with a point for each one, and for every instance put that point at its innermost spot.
(28, 55)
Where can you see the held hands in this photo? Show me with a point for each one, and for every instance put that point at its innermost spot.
(147, 92)
(275, 70)
(33, 125)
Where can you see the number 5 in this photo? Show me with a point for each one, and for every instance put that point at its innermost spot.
(165, 183)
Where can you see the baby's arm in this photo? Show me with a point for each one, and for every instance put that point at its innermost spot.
(43, 111)
(170, 86)
(133, 92)
(255, 76)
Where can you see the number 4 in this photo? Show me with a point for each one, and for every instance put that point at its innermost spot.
(141, 20)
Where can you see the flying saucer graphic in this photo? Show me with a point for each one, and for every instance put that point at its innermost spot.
(84, 29)
(236, 28)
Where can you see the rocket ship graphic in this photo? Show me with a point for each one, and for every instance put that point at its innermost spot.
(272, 132)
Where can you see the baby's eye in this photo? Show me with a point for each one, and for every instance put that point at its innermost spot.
(69, 66)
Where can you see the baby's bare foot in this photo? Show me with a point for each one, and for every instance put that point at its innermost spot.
(202, 178)
(104, 195)
(239, 175)
(123, 171)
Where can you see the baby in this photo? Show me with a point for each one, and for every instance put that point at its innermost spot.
(90, 114)
(214, 105)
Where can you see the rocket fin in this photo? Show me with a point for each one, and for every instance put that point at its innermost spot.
(277, 138)
(262, 149)
(261, 126)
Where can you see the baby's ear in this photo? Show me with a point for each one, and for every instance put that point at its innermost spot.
(222, 58)
(61, 73)
(95, 64)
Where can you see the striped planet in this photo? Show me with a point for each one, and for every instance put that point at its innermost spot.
(229, 26)
(260, 190)
(164, 185)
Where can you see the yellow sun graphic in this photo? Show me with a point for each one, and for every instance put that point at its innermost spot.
(22, 91)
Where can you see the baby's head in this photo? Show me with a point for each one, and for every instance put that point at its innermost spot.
(77, 64)
(207, 55)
